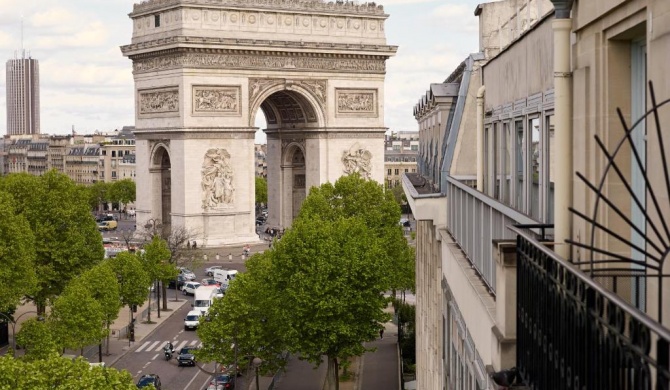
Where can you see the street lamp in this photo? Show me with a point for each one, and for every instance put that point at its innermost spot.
(152, 223)
(13, 322)
(257, 362)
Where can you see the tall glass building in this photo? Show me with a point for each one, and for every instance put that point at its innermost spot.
(23, 96)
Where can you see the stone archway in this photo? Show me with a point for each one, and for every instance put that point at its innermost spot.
(161, 183)
(204, 69)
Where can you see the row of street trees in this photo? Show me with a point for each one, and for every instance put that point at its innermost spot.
(52, 255)
(118, 192)
(319, 292)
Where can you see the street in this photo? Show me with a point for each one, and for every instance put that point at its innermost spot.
(146, 356)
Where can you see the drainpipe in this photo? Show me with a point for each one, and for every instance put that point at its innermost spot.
(480, 138)
(562, 26)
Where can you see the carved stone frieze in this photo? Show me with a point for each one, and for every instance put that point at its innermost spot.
(158, 101)
(317, 88)
(357, 159)
(286, 142)
(261, 61)
(216, 100)
(370, 8)
(356, 102)
(217, 180)
(256, 86)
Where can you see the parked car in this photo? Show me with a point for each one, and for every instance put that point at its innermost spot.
(222, 382)
(108, 225)
(149, 379)
(189, 288)
(178, 283)
(209, 282)
(192, 319)
(186, 356)
(105, 217)
(187, 273)
(210, 271)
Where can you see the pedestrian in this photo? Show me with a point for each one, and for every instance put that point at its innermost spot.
(381, 333)
(188, 244)
(195, 245)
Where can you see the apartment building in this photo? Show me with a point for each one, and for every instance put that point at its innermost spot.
(400, 152)
(552, 259)
(117, 156)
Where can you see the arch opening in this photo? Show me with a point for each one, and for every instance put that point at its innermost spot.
(162, 176)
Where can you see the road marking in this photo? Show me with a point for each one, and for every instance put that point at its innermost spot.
(153, 345)
(154, 358)
(160, 346)
(181, 345)
(142, 346)
(194, 342)
(200, 345)
(145, 366)
(206, 384)
(192, 379)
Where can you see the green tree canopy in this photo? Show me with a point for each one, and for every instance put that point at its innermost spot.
(261, 190)
(38, 340)
(248, 317)
(156, 258)
(60, 373)
(77, 317)
(17, 255)
(122, 191)
(109, 297)
(97, 193)
(67, 240)
(134, 281)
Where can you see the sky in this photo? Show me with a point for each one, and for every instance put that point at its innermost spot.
(85, 82)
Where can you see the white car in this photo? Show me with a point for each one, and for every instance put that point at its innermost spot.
(190, 287)
(186, 273)
(210, 271)
(192, 319)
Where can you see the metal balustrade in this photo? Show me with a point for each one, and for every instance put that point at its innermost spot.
(572, 333)
(474, 220)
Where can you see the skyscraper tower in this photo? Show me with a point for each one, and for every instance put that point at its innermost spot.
(23, 95)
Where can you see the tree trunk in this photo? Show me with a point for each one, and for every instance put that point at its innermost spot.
(107, 346)
(332, 381)
(164, 290)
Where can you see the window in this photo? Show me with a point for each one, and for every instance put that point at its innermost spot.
(388, 172)
(406, 170)
(414, 147)
(536, 168)
(397, 171)
(396, 148)
(157, 20)
(519, 162)
(551, 165)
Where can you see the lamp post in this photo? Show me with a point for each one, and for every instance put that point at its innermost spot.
(257, 362)
(153, 224)
(13, 322)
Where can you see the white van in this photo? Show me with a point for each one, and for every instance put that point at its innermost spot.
(204, 296)
(192, 319)
(224, 276)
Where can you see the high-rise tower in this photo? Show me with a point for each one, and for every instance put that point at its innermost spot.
(23, 96)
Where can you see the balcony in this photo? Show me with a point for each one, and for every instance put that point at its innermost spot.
(573, 333)
(474, 220)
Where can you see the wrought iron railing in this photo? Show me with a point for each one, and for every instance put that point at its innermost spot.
(572, 333)
(474, 220)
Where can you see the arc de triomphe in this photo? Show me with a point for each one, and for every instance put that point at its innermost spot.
(203, 69)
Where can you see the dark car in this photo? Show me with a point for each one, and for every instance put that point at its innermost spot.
(222, 382)
(186, 357)
(179, 282)
(149, 379)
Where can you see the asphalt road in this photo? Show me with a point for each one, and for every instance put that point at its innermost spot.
(146, 357)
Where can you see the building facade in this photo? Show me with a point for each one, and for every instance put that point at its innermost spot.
(555, 251)
(23, 96)
(400, 156)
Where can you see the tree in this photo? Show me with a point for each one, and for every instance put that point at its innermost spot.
(17, 255)
(123, 191)
(56, 372)
(67, 240)
(77, 317)
(97, 194)
(156, 257)
(332, 275)
(261, 190)
(399, 195)
(38, 340)
(134, 281)
(109, 297)
(247, 317)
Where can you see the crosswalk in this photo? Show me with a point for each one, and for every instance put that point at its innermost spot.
(157, 346)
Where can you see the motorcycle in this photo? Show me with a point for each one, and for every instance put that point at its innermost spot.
(168, 353)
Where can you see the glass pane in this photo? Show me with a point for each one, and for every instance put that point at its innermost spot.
(506, 152)
(496, 162)
(552, 167)
(535, 168)
(520, 166)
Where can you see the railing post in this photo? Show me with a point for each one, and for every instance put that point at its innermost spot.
(504, 252)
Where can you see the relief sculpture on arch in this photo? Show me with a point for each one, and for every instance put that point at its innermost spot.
(217, 180)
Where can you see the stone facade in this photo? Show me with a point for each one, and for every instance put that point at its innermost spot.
(202, 71)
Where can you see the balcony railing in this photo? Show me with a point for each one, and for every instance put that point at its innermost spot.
(572, 333)
(475, 220)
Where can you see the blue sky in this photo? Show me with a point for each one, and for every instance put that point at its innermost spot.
(86, 82)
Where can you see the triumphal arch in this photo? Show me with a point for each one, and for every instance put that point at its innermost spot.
(204, 68)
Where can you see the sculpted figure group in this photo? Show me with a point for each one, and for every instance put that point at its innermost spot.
(217, 180)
